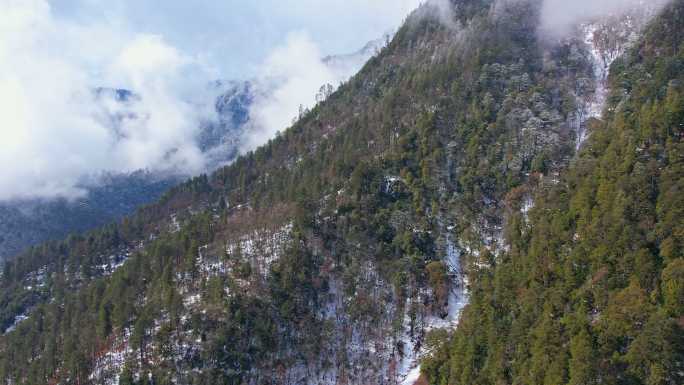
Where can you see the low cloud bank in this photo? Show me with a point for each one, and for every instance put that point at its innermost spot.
(56, 128)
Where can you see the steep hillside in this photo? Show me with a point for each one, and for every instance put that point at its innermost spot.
(343, 251)
(591, 289)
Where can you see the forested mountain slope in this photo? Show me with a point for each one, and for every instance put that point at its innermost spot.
(592, 288)
(343, 250)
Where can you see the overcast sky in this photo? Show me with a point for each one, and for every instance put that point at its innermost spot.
(236, 35)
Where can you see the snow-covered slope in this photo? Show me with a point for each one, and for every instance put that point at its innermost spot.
(605, 39)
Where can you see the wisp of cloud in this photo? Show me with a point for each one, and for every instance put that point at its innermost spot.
(289, 79)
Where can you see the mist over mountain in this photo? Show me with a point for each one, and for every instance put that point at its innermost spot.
(225, 131)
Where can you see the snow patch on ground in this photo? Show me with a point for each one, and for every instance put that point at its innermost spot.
(115, 262)
(601, 59)
(175, 225)
(607, 39)
(17, 320)
(109, 364)
(528, 204)
(412, 377)
(261, 247)
(409, 367)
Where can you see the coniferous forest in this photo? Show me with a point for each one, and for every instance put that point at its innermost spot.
(440, 213)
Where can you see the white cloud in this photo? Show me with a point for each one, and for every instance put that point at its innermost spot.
(289, 78)
(54, 132)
